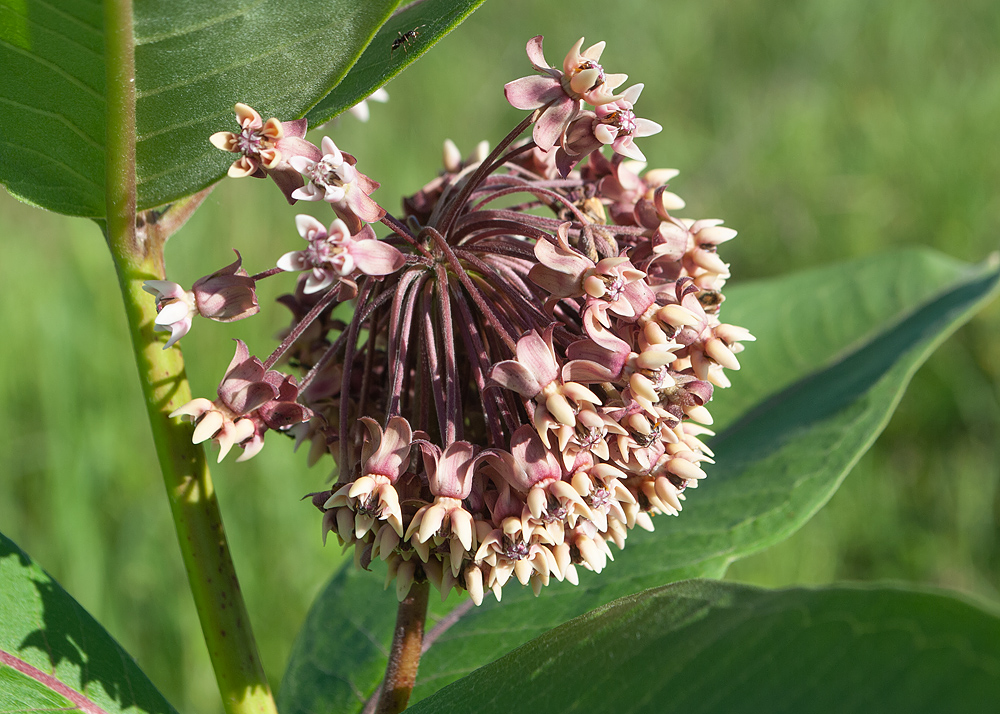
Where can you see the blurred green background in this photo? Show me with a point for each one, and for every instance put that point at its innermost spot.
(821, 130)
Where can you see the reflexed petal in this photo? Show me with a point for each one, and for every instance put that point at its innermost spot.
(532, 92)
(374, 257)
(553, 122)
(535, 353)
(535, 54)
(294, 261)
(515, 377)
(309, 228)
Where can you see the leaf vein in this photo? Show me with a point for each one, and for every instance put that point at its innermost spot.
(69, 169)
(218, 19)
(66, 16)
(58, 117)
(275, 50)
(54, 68)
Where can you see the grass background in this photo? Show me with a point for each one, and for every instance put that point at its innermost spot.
(820, 129)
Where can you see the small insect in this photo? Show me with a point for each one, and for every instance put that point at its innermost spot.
(405, 39)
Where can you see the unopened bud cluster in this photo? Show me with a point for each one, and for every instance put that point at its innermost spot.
(514, 391)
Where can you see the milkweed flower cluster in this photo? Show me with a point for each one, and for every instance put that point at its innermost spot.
(514, 392)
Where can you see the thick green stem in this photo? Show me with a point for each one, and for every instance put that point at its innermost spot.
(138, 256)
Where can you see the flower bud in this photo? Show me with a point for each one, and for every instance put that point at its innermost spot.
(226, 295)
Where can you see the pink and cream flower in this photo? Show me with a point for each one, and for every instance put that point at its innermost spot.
(333, 178)
(334, 254)
(265, 148)
(560, 93)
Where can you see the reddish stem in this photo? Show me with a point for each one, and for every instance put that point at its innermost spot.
(407, 645)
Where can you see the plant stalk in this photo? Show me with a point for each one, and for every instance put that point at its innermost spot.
(138, 256)
(407, 646)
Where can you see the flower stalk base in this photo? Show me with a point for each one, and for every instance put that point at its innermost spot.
(407, 644)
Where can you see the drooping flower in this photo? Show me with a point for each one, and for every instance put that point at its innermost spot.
(227, 295)
(175, 308)
(446, 521)
(383, 460)
(251, 399)
(536, 375)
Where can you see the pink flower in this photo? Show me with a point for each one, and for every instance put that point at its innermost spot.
(565, 272)
(617, 125)
(175, 308)
(449, 476)
(333, 178)
(611, 123)
(335, 254)
(251, 400)
(560, 94)
(384, 457)
(535, 374)
(266, 147)
(226, 295)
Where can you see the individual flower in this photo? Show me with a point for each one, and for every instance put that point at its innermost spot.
(333, 178)
(373, 496)
(226, 295)
(618, 126)
(446, 521)
(560, 94)
(175, 308)
(536, 375)
(614, 124)
(250, 400)
(266, 147)
(336, 254)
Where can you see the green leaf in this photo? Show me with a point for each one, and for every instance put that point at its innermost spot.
(808, 320)
(705, 647)
(775, 467)
(429, 20)
(194, 61)
(52, 104)
(55, 656)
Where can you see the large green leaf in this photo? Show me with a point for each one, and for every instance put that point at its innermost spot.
(52, 104)
(54, 656)
(194, 61)
(808, 320)
(707, 647)
(401, 41)
(775, 467)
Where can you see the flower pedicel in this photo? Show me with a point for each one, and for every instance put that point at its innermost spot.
(513, 392)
